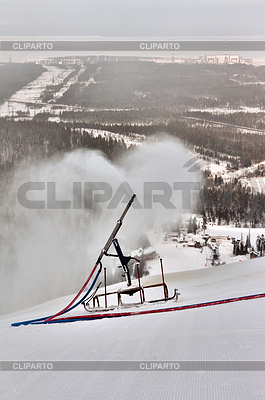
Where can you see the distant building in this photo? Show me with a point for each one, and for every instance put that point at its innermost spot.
(206, 59)
(223, 59)
(170, 60)
(71, 60)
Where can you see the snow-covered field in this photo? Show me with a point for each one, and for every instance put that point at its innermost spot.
(31, 93)
(228, 332)
(70, 82)
(220, 168)
(133, 138)
(217, 110)
(28, 100)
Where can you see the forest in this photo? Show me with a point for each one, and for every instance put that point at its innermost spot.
(244, 119)
(138, 84)
(231, 202)
(13, 76)
(31, 141)
(25, 143)
(148, 99)
(225, 143)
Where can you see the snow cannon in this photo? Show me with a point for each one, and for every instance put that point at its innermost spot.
(85, 294)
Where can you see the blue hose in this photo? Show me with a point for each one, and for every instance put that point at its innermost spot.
(161, 310)
(41, 320)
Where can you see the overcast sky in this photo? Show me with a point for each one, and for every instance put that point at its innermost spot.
(132, 18)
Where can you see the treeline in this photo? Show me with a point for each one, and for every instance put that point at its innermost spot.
(123, 129)
(239, 149)
(130, 116)
(68, 95)
(250, 148)
(91, 69)
(14, 76)
(231, 202)
(33, 141)
(137, 84)
(244, 119)
(233, 163)
(52, 89)
(25, 142)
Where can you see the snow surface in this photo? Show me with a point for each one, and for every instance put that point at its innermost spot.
(131, 139)
(28, 100)
(227, 332)
(220, 168)
(233, 331)
(217, 110)
(31, 93)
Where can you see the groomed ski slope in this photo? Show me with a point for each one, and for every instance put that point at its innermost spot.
(227, 332)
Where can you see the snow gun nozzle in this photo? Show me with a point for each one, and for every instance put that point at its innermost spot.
(132, 198)
(116, 229)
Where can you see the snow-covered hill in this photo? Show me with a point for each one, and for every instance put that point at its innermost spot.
(227, 332)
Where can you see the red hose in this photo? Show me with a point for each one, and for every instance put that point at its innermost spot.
(155, 311)
(76, 297)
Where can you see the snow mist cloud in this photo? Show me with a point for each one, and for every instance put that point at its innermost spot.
(47, 253)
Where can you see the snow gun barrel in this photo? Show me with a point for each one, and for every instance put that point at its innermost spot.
(115, 230)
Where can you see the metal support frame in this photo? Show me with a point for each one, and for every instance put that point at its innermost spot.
(131, 291)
